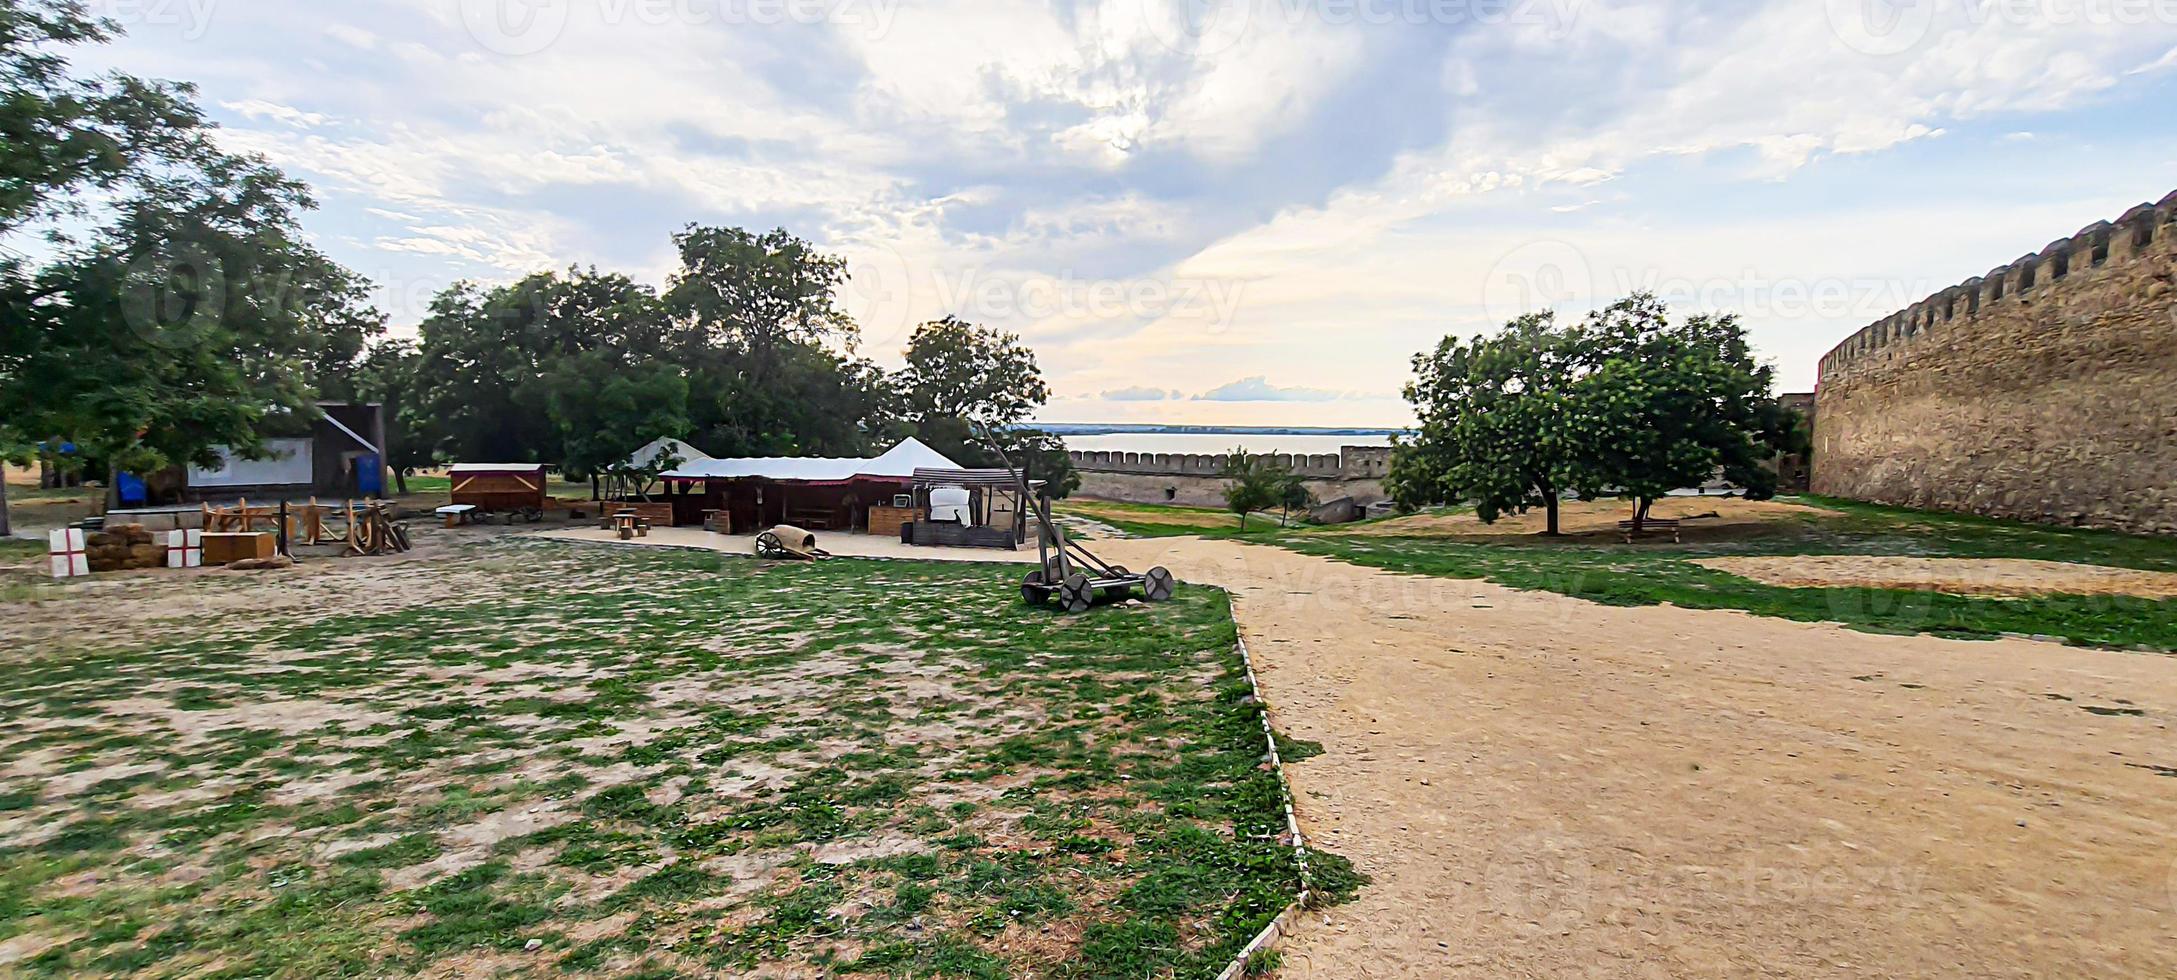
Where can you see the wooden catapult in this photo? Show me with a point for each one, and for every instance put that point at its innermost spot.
(1070, 571)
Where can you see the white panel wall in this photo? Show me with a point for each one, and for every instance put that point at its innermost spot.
(289, 464)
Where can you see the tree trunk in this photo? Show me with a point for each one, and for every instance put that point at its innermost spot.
(5, 528)
(1640, 514)
(1549, 504)
(400, 481)
(45, 473)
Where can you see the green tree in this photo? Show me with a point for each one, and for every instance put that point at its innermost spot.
(490, 360)
(62, 133)
(1495, 422)
(769, 353)
(958, 370)
(1254, 484)
(602, 410)
(963, 382)
(198, 318)
(1672, 406)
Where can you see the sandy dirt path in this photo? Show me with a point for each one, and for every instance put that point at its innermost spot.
(1545, 787)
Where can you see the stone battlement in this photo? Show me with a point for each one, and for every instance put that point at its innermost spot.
(2142, 234)
(2045, 390)
(1349, 463)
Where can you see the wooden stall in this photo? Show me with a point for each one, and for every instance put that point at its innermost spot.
(500, 487)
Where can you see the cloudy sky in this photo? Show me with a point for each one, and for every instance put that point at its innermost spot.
(1239, 211)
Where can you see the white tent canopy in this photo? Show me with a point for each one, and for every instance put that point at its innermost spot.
(689, 455)
(899, 463)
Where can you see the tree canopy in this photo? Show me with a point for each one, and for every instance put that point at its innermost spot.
(1495, 421)
(192, 313)
(1622, 404)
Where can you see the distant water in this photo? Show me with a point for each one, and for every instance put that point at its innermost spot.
(1213, 443)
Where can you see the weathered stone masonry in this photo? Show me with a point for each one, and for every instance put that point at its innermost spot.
(1191, 478)
(2045, 390)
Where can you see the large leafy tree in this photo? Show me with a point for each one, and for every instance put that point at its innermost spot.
(193, 314)
(62, 137)
(1495, 421)
(199, 317)
(966, 385)
(602, 409)
(958, 370)
(61, 133)
(1669, 405)
(491, 359)
(770, 355)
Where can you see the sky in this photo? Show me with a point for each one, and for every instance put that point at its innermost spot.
(1207, 211)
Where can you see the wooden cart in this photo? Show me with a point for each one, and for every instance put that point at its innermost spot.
(511, 490)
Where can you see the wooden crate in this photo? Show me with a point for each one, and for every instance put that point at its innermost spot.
(885, 521)
(223, 548)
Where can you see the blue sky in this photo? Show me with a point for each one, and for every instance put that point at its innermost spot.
(1241, 211)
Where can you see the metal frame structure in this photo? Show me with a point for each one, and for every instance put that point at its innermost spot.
(1066, 567)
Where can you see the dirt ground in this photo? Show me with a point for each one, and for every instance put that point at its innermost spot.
(1599, 518)
(1551, 788)
(1963, 576)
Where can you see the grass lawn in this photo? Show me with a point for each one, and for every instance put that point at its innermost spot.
(1650, 573)
(441, 485)
(645, 763)
(1168, 520)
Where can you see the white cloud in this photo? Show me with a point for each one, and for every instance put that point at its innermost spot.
(1141, 394)
(289, 115)
(1259, 389)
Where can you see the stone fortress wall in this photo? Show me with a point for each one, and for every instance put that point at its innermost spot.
(1197, 480)
(2045, 390)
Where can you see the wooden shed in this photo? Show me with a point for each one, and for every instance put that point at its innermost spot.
(499, 487)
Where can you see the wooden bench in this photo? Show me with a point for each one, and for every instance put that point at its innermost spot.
(458, 514)
(1653, 525)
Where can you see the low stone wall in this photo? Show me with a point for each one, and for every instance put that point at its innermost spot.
(1205, 491)
(1348, 463)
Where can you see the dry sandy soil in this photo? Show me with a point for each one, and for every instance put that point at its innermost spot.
(1963, 576)
(1597, 518)
(1545, 787)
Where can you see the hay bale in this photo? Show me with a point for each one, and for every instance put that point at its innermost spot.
(104, 539)
(145, 554)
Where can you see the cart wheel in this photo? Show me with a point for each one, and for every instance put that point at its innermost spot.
(1032, 588)
(1076, 594)
(1117, 592)
(768, 545)
(1160, 584)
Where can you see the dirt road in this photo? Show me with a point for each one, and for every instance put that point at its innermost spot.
(1547, 787)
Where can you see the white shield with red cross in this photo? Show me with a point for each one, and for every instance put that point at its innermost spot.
(69, 557)
(185, 549)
